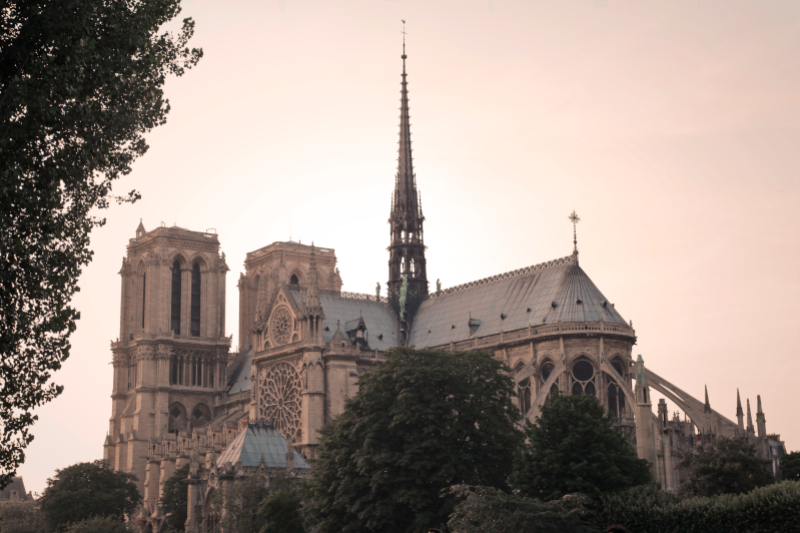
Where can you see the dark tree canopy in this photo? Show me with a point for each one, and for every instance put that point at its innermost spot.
(80, 84)
(486, 510)
(99, 525)
(574, 448)
(280, 512)
(88, 490)
(174, 500)
(724, 466)
(790, 466)
(421, 422)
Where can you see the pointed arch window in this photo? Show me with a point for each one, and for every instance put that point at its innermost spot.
(616, 397)
(175, 314)
(293, 280)
(144, 296)
(195, 303)
(583, 378)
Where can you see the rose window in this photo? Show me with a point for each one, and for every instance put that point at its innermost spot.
(280, 326)
(279, 389)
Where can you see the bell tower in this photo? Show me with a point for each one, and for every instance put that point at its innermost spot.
(408, 280)
(170, 360)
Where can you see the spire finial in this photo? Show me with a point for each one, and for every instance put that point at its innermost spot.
(708, 405)
(738, 404)
(404, 44)
(574, 218)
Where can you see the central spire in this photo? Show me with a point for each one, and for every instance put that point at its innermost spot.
(406, 197)
(407, 268)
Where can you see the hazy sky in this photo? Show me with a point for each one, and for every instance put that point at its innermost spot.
(672, 127)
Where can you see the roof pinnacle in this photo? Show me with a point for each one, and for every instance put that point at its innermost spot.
(707, 408)
(738, 404)
(574, 218)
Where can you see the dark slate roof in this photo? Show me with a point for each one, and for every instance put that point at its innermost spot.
(239, 373)
(16, 485)
(259, 441)
(512, 301)
(379, 318)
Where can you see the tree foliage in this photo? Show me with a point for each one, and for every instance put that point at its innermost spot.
(80, 84)
(99, 524)
(723, 466)
(281, 512)
(239, 504)
(790, 466)
(422, 421)
(174, 500)
(21, 517)
(770, 509)
(487, 510)
(574, 448)
(87, 490)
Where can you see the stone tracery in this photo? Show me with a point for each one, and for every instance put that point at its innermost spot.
(279, 402)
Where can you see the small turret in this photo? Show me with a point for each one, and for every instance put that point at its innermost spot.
(739, 413)
(140, 231)
(761, 421)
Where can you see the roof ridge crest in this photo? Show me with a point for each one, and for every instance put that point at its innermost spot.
(506, 275)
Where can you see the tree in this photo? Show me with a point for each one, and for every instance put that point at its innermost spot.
(790, 466)
(87, 490)
(174, 500)
(280, 512)
(486, 510)
(723, 466)
(80, 84)
(574, 448)
(99, 525)
(240, 504)
(21, 517)
(421, 422)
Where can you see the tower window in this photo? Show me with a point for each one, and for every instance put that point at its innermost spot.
(175, 323)
(144, 296)
(195, 306)
(293, 280)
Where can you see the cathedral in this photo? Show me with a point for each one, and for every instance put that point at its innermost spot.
(182, 395)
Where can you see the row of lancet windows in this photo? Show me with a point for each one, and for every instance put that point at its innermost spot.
(191, 372)
(583, 375)
(194, 308)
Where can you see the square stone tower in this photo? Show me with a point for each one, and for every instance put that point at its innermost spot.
(171, 356)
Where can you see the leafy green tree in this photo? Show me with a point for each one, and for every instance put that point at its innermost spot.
(174, 500)
(574, 448)
(80, 84)
(99, 524)
(87, 490)
(421, 422)
(790, 466)
(240, 504)
(280, 512)
(487, 510)
(21, 517)
(723, 466)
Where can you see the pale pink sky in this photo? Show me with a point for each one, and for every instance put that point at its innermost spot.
(672, 127)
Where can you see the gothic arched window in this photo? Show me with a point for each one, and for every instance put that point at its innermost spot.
(144, 296)
(293, 280)
(175, 314)
(583, 378)
(616, 397)
(195, 307)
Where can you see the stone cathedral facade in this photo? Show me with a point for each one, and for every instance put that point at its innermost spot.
(180, 396)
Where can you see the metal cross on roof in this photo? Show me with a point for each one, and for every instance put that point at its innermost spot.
(574, 218)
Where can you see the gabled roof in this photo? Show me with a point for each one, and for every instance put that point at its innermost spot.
(554, 292)
(257, 442)
(239, 372)
(383, 331)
